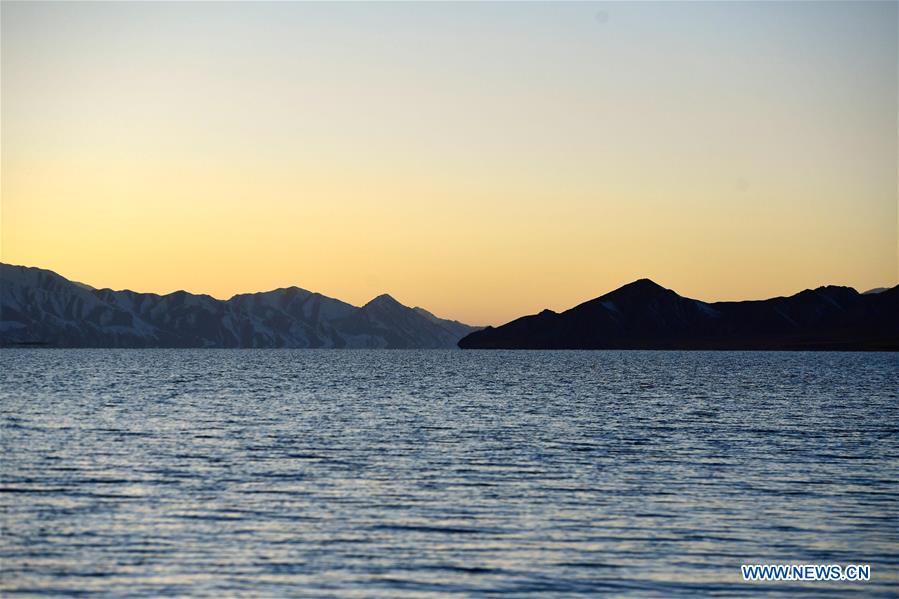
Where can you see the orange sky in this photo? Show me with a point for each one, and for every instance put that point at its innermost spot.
(480, 160)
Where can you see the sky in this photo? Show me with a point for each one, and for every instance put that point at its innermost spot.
(481, 160)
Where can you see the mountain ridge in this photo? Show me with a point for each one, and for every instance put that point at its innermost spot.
(41, 307)
(645, 315)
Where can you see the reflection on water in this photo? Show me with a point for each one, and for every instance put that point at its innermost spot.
(404, 473)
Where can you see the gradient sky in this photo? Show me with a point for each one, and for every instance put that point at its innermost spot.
(481, 160)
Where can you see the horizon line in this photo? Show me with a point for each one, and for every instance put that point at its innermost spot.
(224, 299)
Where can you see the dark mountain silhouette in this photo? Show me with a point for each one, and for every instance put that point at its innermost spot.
(40, 307)
(644, 315)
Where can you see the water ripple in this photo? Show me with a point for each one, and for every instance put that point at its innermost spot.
(433, 473)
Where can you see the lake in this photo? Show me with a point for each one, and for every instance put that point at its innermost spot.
(417, 473)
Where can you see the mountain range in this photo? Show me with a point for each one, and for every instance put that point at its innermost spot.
(40, 307)
(645, 315)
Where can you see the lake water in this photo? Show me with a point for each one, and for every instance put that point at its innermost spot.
(411, 473)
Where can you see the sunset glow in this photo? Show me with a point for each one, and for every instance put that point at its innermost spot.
(481, 160)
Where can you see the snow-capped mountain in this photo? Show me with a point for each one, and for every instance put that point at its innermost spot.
(40, 307)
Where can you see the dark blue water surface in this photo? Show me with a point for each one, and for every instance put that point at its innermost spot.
(416, 473)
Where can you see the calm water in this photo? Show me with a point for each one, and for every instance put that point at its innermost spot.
(403, 473)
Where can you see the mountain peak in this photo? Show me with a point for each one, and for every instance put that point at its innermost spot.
(639, 288)
(385, 299)
(643, 283)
